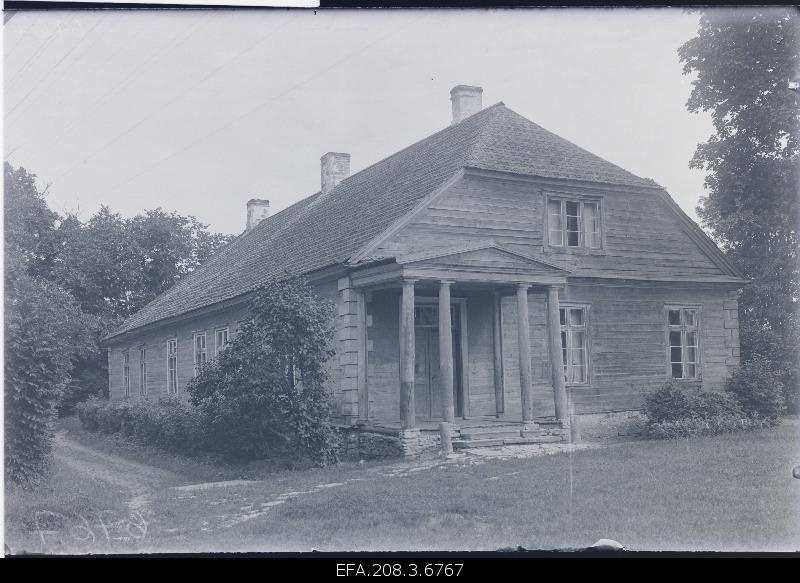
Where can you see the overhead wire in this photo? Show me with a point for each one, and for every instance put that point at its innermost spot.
(166, 104)
(254, 109)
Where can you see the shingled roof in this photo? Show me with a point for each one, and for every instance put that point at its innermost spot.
(320, 231)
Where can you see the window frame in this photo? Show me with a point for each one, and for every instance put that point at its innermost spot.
(143, 370)
(217, 347)
(172, 371)
(587, 343)
(204, 351)
(126, 373)
(582, 201)
(697, 328)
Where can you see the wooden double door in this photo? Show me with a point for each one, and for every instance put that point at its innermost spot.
(428, 399)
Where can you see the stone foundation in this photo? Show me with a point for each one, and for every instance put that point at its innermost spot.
(599, 426)
(371, 443)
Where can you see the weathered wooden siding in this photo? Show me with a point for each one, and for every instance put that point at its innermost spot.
(628, 343)
(383, 376)
(626, 338)
(643, 237)
(480, 359)
(383, 362)
(156, 343)
(543, 403)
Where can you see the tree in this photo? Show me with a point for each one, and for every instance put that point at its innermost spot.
(44, 329)
(265, 394)
(29, 223)
(111, 266)
(745, 65)
(100, 265)
(114, 266)
(170, 246)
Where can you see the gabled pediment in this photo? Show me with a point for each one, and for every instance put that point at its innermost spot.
(482, 258)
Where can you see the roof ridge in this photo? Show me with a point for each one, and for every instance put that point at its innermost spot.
(479, 142)
(321, 230)
(577, 147)
(473, 117)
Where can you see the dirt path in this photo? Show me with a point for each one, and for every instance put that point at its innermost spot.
(138, 479)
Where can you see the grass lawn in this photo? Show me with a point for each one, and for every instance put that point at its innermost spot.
(69, 513)
(732, 492)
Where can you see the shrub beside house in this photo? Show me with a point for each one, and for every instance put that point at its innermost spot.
(752, 400)
(264, 396)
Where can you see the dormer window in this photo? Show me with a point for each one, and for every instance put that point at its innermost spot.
(573, 223)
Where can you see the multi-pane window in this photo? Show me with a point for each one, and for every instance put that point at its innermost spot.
(683, 328)
(199, 351)
(220, 340)
(172, 366)
(143, 371)
(573, 223)
(126, 373)
(573, 344)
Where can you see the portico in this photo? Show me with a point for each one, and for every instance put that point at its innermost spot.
(439, 293)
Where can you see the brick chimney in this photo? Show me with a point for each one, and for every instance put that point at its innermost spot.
(335, 167)
(467, 101)
(257, 211)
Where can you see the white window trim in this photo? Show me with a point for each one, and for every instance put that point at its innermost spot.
(126, 373)
(563, 198)
(196, 353)
(217, 347)
(143, 371)
(171, 391)
(586, 339)
(698, 329)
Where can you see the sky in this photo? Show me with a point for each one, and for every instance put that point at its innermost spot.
(198, 112)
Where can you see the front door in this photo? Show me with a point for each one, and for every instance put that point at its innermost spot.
(427, 388)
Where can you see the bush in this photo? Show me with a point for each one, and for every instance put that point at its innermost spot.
(87, 414)
(667, 403)
(695, 426)
(758, 389)
(709, 405)
(674, 411)
(265, 395)
(43, 330)
(168, 424)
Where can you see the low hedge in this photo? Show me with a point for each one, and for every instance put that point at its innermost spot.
(673, 411)
(694, 426)
(168, 424)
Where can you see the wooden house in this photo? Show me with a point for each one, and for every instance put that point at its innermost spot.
(493, 275)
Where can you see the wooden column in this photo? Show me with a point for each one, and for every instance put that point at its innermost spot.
(524, 335)
(407, 351)
(556, 358)
(363, 389)
(499, 398)
(446, 351)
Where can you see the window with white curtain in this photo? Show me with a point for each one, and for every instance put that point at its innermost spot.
(573, 223)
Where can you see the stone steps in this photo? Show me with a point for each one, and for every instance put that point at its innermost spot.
(550, 432)
(498, 433)
(529, 439)
(470, 443)
(546, 430)
(547, 422)
(534, 439)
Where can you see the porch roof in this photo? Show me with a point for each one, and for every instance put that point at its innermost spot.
(485, 262)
